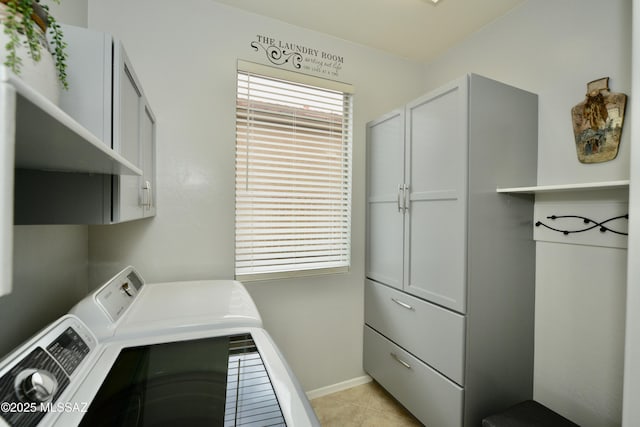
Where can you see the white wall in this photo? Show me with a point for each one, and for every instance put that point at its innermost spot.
(185, 54)
(50, 272)
(553, 49)
(71, 12)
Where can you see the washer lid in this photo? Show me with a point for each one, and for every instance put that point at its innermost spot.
(211, 381)
(163, 307)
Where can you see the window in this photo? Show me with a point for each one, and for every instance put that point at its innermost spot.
(293, 174)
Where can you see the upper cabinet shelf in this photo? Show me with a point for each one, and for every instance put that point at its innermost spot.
(46, 138)
(589, 186)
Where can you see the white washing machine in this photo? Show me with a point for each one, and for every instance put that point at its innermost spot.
(166, 354)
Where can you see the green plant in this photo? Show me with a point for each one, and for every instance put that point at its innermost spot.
(22, 16)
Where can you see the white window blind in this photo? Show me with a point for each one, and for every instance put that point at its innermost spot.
(293, 178)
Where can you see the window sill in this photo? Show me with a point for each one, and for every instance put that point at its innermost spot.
(290, 274)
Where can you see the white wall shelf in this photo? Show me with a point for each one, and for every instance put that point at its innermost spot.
(46, 138)
(595, 200)
(589, 186)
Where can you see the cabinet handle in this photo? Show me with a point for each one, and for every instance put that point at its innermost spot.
(151, 201)
(405, 191)
(400, 187)
(400, 361)
(403, 304)
(147, 188)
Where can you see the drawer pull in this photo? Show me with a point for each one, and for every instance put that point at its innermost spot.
(403, 304)
(400, 361)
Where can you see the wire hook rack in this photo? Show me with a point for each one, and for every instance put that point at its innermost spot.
(590, 224)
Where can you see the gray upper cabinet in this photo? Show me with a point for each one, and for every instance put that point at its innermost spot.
(107, 98)
(417, 175)
(450, 262)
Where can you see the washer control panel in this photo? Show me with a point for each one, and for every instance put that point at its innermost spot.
(35, 375)
(103, 308)
(69, 350)
(119, 293)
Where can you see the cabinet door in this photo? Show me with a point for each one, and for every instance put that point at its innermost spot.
(129, 123)
(148, 145)
(436, 172)
(385, 219)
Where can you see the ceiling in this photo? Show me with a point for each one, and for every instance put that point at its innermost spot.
(413, 29)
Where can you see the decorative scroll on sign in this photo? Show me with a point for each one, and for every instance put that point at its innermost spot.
(299, 56)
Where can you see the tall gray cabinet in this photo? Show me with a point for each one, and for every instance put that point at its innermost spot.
(449, 292)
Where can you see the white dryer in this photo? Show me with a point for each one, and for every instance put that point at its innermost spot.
(165, 354)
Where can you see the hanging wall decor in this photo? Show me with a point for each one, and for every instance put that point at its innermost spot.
(597, 122)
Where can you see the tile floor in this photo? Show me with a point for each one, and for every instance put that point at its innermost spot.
(367, 405)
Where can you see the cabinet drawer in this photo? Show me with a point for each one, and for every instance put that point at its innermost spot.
(431, 333)
(432, 398)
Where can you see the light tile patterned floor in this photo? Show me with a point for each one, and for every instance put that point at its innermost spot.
(367, 405)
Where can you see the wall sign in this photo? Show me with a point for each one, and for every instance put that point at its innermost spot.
(299, 56)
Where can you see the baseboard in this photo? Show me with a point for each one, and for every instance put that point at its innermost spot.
(323, 391)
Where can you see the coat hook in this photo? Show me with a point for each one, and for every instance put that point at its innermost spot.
(603, 227)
